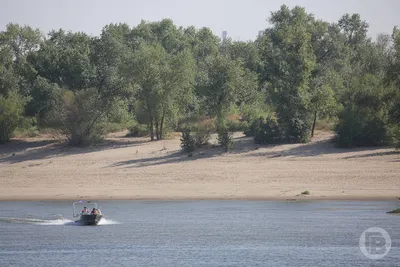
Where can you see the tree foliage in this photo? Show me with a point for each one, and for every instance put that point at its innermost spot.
(288, 64)
(11, 111)
(299, 70)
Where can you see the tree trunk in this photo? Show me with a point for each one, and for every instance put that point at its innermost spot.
(151, 120)
(313, 125)
(151, 128)
(157, 130)
(161, 127)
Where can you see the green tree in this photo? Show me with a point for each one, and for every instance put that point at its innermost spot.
(227, 84)
(364, 118)
(289, 60)
(11, 112)
(163, 82)
(392, 77)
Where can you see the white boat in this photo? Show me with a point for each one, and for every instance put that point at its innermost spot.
(87, 218)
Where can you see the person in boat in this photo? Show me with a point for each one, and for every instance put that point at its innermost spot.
(85, 210)
(95, 211)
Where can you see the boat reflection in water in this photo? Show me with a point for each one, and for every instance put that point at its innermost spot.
(88, 217)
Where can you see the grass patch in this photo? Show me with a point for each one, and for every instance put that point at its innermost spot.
(27, 132)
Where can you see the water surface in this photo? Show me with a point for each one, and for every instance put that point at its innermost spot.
(196, 233)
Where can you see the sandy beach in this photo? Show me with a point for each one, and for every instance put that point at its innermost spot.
(135, 168)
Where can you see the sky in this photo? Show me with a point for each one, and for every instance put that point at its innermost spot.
(242, 19)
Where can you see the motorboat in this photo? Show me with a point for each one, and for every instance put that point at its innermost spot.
(88, 216)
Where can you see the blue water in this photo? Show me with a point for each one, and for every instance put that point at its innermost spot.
(196, 233)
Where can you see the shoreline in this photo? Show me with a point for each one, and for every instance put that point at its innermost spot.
(137, 169)
(252, 198)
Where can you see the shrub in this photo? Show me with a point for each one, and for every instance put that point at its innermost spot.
(27, 127)
(112, 127)
(297, 129)
(365, 119)
(305, 193)
(251, 129)
(360, 128)
(27, 132)
(82, 116)
(138, 130)
(325, 125)
(396, 211)
(188, 142)
(225, 138)
(202, 132)
(266, 131)
(396, 137)
(237, 126)
(201, 137)
(11, 110)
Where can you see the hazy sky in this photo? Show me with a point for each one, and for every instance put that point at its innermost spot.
(241, 18)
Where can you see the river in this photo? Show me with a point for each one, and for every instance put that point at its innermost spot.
(197, 233)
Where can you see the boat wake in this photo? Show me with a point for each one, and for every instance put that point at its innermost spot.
(105, 221)
(58, 221)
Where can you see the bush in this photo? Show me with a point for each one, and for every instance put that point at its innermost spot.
(202, 132)
(225, 138)
(266, 131)
(82, 117)
(27, 127)
(188, 142)
(27, 132)
(365, 119)
(201, 137)
(237, 126)
(360, 128)
(251, 129)
(138, 130)
(395, 140)
(396, 211)
(11, 110)
(297, 129)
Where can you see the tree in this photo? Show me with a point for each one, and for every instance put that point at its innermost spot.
(21, 40)
(245, 51)
(392, 78)
(16, 43)
(86, 71)
(354, 29)
(65, 59)
(364, 118)
(44, 98)
(163, 81)
(227, 84)
(323, 101)
(8, 78)
(11, 111)
(80, 116)
(289, 60)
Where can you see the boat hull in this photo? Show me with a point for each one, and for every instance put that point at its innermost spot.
(89, 219)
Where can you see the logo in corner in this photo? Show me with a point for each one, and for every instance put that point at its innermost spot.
(375, 243)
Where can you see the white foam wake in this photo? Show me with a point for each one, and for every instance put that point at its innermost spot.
(105, 221)
(59, 221)
(56, 222)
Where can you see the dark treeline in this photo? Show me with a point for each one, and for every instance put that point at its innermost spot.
(158, 77)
